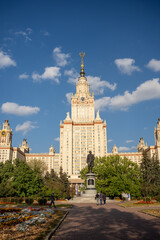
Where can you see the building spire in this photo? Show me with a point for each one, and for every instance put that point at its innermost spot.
(82, 73)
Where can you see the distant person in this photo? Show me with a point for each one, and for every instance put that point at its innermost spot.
(104, 198)
(123, 196)
(129, 196)
(100, 197)
(52, 201)
(97, 198)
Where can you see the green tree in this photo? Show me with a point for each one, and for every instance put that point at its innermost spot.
(115, 175)
(64, 179)
(57, 184)
(6, 171)
(6, 177)
(26, 181)
(156, 176)
(38, 166)
(83, 174)
(150, 170)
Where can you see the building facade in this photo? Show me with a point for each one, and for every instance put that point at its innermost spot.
(80, 133)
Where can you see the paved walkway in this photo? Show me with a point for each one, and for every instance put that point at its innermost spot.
(91, 222)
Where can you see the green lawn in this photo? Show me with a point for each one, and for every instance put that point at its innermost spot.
(153, 212)
(136, 204)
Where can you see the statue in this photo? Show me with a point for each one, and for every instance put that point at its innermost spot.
(90, 161)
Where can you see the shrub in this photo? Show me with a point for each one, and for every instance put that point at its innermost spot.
(157, 198)
(18, 200)
(13, 200)
(147, 199)
(29, 200)
(116, 198)
(42, 201)
(5, 200)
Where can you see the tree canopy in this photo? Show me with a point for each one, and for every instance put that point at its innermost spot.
(150, 170)
(115, 175)
(25, 180)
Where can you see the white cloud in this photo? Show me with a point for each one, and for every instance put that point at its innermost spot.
(57, 139)
(25, 127)
(126, 65)
(146, 91)
(23, 76)
(154, 65)
(96, 84)
(110, 140)
(45, 33)
(126, 149)
(26, 34)
(51, 73)
(129, 141)
(68, 96)
(60, 58)
(15, 109)
(5, 60)
(73, 76)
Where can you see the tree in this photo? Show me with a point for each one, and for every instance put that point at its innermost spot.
(26, 181)
(64, 179)
(6, 177)
(115, 175)
(150, 170)
(57, 184)
(38, 166)
(156, 176)
(6, 171)
(83, 174)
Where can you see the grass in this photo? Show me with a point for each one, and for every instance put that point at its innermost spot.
(136, 204)
(59, 214)
(60, 205)
(152, 212)
(64, 205)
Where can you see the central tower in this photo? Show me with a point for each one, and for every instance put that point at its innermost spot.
(81, 132)
(82, 103)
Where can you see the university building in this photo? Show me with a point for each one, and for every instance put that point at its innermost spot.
(80, 132)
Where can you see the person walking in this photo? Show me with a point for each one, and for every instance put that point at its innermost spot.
(104, 198)
(52, 201)
(97, 198)
(100, 196)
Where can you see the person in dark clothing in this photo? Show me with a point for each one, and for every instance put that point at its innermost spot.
(104, 198)
(52, 201)
(97, 198)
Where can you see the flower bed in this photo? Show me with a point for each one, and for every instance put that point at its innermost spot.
(13, 216)
(10, 209)
(32, 230)
(144, 202)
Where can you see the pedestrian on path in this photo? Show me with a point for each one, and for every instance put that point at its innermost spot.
(104, 198)
(97, 198)
(100, 196)
(52, 201)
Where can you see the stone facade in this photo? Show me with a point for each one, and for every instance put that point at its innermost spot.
(7, 152)
(82, 132)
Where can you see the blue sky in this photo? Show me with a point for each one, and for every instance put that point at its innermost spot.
(40, 43)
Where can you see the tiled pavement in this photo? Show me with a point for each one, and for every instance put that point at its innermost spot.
(112, 222)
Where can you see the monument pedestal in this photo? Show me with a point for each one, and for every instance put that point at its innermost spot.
(89, 195)
(90, 190)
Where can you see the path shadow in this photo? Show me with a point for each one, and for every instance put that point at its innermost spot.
(88, 222)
